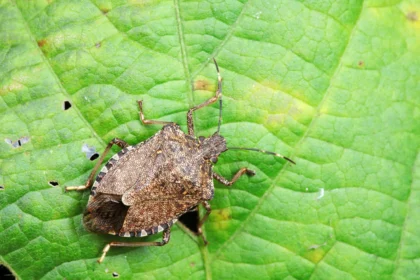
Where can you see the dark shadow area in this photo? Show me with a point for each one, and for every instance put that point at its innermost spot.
(53, 183)
(66, 105)
(5, 273)
(190, 220)
(94, 156)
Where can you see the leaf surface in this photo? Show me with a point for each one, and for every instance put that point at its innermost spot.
(332, 85)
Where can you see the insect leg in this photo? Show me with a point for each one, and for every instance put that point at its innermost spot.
(238, 174)
(208, 102)
(89, 182)
(165, 239)
(144, 121)
(203, 220)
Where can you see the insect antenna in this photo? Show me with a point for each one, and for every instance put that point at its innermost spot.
(262, 151)
(219, 93)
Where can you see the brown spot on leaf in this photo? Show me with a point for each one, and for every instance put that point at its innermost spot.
(221, 218)
(42, 43)
(105, 10)
(202, 84)
(222, 214)
(361, 63)
(412, 16)
(315, 256)
(98, 45)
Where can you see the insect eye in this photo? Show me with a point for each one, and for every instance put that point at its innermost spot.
(213, 159)
(201, 138)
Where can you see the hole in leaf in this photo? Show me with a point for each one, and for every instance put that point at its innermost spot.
(90, 152)
(1, 188)
(66, 105)
(412, 16)
(5, 273)
(115, 274)
(17, 143)
(190, 220)
(53, 183)
(94, 156)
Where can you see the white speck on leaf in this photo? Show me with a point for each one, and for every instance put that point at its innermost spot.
(316, 246)
(17, 143)
(321, 193)
(257, 15)
(88, 150)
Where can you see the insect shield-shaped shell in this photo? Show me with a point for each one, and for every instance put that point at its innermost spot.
(144, 188)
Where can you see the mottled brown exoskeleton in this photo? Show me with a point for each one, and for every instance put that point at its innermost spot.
(144, 188)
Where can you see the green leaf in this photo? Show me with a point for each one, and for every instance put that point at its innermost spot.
(333, 85)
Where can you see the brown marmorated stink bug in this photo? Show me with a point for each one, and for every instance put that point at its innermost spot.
(144, 188)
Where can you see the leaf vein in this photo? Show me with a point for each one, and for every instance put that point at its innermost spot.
(299, 143)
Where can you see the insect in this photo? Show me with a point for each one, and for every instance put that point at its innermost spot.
(143, 189)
